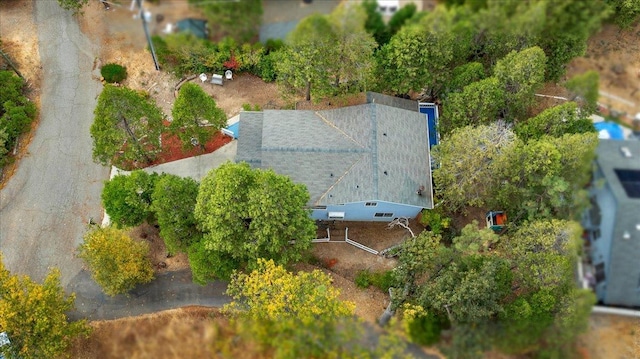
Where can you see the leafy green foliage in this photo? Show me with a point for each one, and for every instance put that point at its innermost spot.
(479, 103)
(195, 115)
(117, 262)
(625, 12)
(520, 74)
(173, 201)
(34, 316)
(381, 280)
(127, 199)
(467, 160)
(584, 90)
(401, 17)
(239, 19)
(74, 6)
(249, 214)
(296, 315)
(464, 75)
(126, 127)
(16, 113)
(374, 23)
(555, 121)
(515, 291)
(113, 73)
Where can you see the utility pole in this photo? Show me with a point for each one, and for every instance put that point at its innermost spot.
(146, 32)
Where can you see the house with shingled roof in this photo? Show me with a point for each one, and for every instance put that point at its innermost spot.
(368, 162)
(612, 224)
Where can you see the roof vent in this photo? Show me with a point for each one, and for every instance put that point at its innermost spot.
(626, 235)
(626, 152)
(386, 173)
(638, 226)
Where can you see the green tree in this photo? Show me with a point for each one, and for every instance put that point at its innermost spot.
(464, 75)
(296, 315)
(567, 27)
(354, 63)
(545, 178)
(520, 74)
(117, 262)
(16, 112)
(126, 127)
(239, 19)
(173, 201)
(127, 199)
(401, 17)
(374, 23)
(249, 214)
(304, 65)
(479, 103)
(555, 121)
(584, 90)
(195, 115)
(73, 5)
(34, 316)
(625, 12)
(466, 175)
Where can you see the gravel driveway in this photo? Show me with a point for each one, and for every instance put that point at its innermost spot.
(45, 207)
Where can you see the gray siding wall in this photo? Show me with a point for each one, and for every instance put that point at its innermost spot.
(359, 211)
(601, 247)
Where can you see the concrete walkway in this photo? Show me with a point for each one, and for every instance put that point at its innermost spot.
(197, 167)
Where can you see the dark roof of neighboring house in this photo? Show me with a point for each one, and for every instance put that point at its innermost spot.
(197, 27)
(350, 154)
(624, 273)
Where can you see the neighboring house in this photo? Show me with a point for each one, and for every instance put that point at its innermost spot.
(612, 224)
(197, 27)
(367, 162)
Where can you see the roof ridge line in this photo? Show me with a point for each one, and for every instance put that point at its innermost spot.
(337, 128)
(339, 179)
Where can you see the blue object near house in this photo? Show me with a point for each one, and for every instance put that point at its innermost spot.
(232, 130)
(609, 130)
(195, 26)
(612, 224)
(360, 163)
(431, 111)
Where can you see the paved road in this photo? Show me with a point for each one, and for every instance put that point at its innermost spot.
(46, 205)
(167, 291)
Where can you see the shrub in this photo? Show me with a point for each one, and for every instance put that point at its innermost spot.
(426, 329)
(113, 73)
(381, 280)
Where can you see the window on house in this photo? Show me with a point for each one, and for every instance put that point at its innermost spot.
(371, 204)
(595, 234)
(383, 9)
(600, 273)
(319, 207)
(383, 214)
(393, 9)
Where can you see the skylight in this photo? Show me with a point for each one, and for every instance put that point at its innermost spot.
(630, 180)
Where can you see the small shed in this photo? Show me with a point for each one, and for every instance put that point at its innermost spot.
(197, 27)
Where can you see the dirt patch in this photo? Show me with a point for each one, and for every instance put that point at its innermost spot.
(614, 54)
(180, 333)
(160, 258)
(611, 336)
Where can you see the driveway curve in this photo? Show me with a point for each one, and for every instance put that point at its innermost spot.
(45, 207)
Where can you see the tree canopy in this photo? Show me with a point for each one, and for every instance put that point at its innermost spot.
(173, 202)
(239, 19)
(297, 315)
(117, 262)
(16, 113)
(195, 115)
(126, 127)
(516, 288)
(555, 121)
(248, 214)
(34, 316)
(127, 198)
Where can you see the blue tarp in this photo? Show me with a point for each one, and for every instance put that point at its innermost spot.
(609, 130)
(233, 130)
